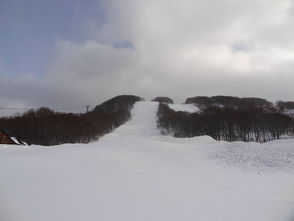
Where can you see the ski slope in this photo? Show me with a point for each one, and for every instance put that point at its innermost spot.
(143, 123)
(135, 173)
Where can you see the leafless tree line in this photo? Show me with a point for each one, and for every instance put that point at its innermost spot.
(230, 124)
(47, 127)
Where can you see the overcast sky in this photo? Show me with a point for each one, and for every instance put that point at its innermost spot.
(71, 53)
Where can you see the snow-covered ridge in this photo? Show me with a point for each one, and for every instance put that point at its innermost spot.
(191, 108)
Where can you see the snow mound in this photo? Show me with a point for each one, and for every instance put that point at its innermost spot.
(274, 155)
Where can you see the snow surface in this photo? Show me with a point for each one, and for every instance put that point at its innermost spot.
(290, 112)
(136, 174)
(191, 108)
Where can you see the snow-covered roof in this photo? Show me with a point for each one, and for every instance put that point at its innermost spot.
(12, 138)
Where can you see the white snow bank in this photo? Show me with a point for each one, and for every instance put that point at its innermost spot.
(191, 108)
(137, 174)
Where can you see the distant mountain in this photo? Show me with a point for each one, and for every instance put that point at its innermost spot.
(166, 100)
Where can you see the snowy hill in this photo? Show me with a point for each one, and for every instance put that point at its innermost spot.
(143, 123)
(135, 173)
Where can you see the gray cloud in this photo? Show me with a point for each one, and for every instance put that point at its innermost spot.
(174, 48)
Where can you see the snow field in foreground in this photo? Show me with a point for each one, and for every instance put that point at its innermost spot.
(136, 174)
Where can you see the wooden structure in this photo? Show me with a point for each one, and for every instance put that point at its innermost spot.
(7, 139)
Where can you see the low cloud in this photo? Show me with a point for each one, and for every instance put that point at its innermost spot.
(173, 48)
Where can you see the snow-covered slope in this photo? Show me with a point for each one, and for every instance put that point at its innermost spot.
(136, 174)
(184, 107)
(143, 123)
